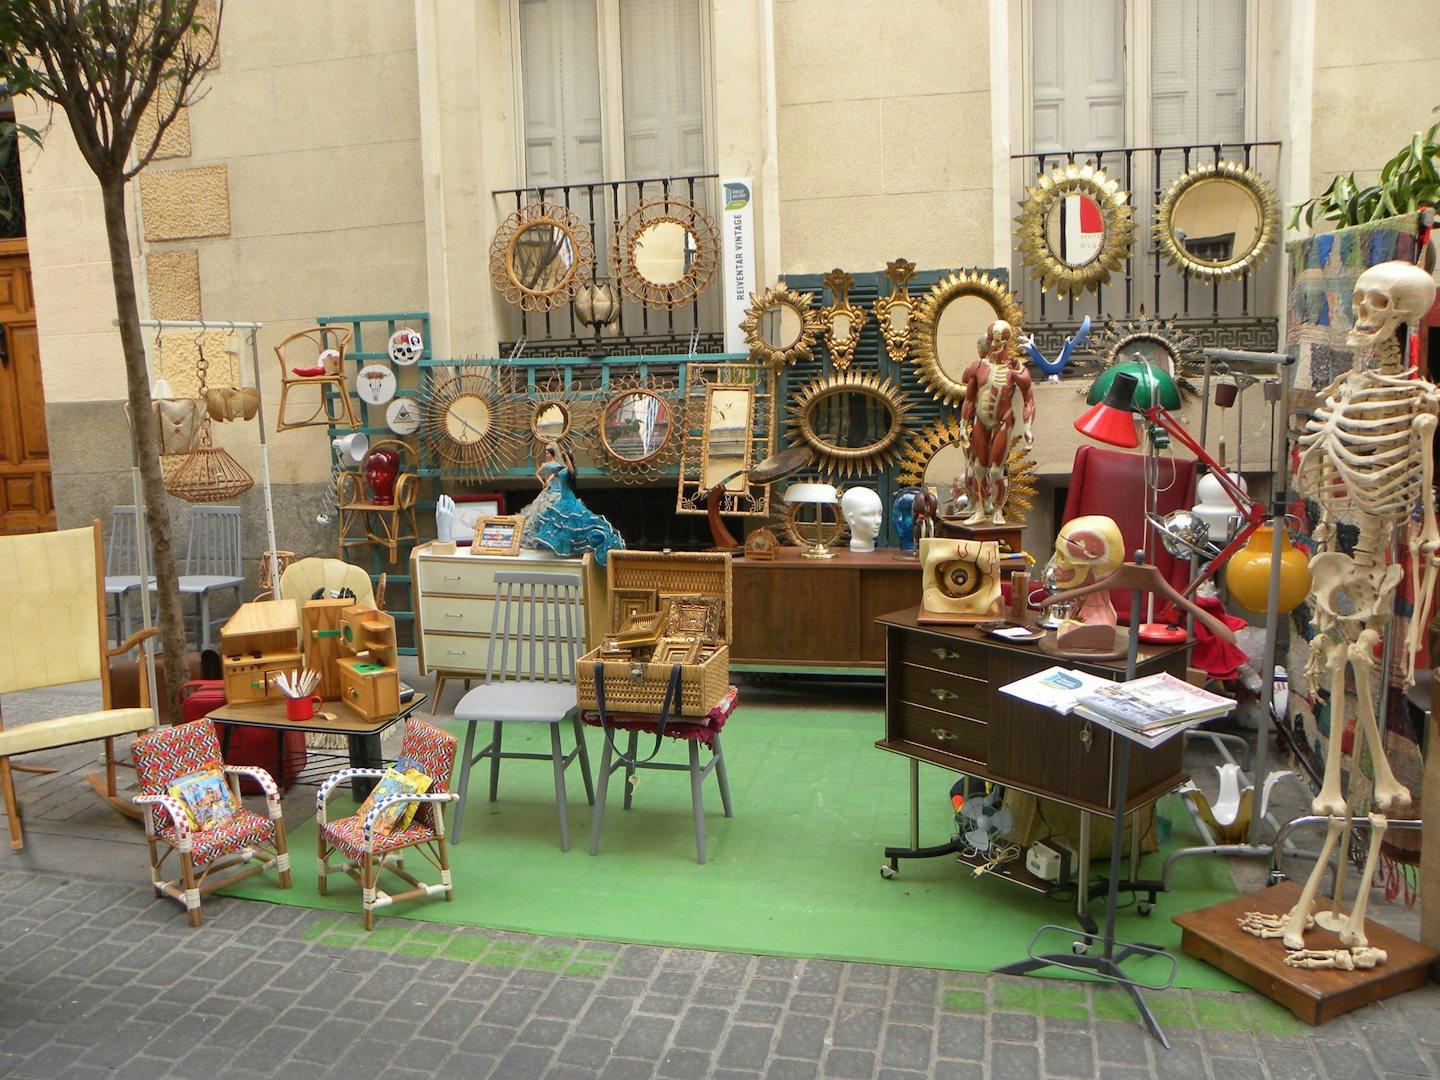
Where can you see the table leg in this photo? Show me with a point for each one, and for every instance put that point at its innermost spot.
(1082, 879)
(364, 754)
(914, 803)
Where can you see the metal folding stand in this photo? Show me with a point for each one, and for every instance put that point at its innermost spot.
(1107, 965)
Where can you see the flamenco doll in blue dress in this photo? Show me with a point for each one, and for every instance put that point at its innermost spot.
(558, 521)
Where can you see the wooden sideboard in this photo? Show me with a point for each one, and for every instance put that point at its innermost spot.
(943, 705)
(798, 614)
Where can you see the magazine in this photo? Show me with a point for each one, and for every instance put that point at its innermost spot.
(1153, 703)
(1057, 688)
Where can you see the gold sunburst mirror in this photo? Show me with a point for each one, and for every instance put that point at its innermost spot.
(842, 320)
(636, 437)
(1217, 221)
(1147, 340)
(665, 252)
(894, 313)
(935, 458)
(1075, 228)
(780, 326)
(852, 422)
(951, 320)
(540, 256)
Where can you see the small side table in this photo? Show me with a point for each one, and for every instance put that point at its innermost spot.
(693, 733)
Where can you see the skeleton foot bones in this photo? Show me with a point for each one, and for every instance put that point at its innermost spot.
(1263, 925)
(1339, 959)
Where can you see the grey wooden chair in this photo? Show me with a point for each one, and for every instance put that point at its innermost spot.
(537, 633)
(212, 561)
(122, 568)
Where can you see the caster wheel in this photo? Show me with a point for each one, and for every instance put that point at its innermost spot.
(1144, 907)
(888, 872)
(1275, 877)
(1079, 948)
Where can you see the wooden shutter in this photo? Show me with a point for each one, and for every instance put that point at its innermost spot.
(1078, 74)
(662, 72)
(560, 76)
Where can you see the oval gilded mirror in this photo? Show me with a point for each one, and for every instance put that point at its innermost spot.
(665, 252)
(1217, 221)
(895, 312)
(852, 422)
(950, 322)
(540, 255)
(1075, 228)
(779, 325)
(551, 421)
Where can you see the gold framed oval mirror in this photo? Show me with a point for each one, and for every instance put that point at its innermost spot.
(634, 439)
(949, 323)
(540, 256)
(1075, 228)
(665, 252)
(779, 325)
(893, 313)
(852, 422)
(1217, 221)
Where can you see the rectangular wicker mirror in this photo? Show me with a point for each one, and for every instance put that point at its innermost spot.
(729, 425)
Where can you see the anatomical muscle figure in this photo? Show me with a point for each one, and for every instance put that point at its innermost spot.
(988, 415)
(1366, 456)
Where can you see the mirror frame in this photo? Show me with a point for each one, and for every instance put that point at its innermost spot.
(846, 460)
(496, 450)
(1115, 213)
(1108, 343)
(1266, 233)
(781, 296)
(841, 353)
(897, 342)
(696, 279)
(753, 500)
(627, 470)
(529, 404)
(922, 448)
(925, 326)
(502, 256)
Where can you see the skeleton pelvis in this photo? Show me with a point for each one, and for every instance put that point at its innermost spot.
(1337, 578)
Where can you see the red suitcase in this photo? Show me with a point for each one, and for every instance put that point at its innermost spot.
(246, 745)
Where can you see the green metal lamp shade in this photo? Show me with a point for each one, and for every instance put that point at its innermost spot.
(1151, 382)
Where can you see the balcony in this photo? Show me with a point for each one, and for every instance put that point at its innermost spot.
(640, 330)
(1240, 313)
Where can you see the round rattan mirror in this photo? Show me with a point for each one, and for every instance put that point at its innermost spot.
(779, 325)
(949, 322)
(1075, 228)
(665, 252)
(551, 421)
(540, 255)
(1217, 221)
(635, 426)
(852, 422)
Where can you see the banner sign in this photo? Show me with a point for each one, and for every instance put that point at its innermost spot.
(738, 244)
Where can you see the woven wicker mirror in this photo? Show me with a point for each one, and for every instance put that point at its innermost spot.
(950, 321)
(635, 439)
(728, 410)
(540, 256)
(665, 252)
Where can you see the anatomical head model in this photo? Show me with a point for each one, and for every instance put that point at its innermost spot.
(1087, 549)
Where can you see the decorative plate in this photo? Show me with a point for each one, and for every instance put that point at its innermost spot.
(375, 384)
(406, 346)
(403, 416)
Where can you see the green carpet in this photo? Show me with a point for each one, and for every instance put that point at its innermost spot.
(796, 872)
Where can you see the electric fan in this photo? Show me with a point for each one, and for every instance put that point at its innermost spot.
(982, 819)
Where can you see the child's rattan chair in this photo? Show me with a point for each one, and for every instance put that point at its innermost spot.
(306, 351)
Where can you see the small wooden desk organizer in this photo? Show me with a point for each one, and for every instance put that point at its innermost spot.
(320, 636)
(368, 672)
(260, 641)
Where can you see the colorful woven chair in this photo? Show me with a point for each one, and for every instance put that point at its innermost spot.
(163, 757)
(368, 850)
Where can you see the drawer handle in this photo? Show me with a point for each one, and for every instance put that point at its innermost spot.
(450, 577)
(941, 735)
(945, 654)
(454, 615)
(941, 694)
(454, 652)
(354, 693)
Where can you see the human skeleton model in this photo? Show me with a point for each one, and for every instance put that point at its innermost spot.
(1367, 453)
(988, 415)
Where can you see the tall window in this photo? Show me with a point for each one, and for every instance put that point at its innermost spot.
(1108, 73)
(612, 89)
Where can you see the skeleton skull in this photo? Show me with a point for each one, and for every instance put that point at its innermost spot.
(1387, 295)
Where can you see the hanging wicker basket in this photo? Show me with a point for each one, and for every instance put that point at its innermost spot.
(209, 475)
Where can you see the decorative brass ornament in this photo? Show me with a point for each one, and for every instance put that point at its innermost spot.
(780, 326)
(1217, 221)
(467, 423)
(934, 458)
(635, 438)
(1149, 340)
(728, 422)
(948, 323)
(842, 320)
(1075, 228)
(894, 314)
(665, 251)
(852, 422)
(540, 256)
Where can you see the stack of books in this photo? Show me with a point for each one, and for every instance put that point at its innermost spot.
(1152, 709)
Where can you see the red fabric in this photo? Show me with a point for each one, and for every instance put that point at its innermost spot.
(1112, 483)
(702, 731)
(306, 372)
(1215, 656)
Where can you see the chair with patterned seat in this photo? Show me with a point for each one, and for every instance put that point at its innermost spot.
(364, 844)
(162, 758)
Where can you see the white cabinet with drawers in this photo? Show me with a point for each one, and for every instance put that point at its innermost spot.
(455, 597)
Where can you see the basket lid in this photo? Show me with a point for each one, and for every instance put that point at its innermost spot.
(673, 574)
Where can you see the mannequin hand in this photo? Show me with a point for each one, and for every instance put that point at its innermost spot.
(444, 516)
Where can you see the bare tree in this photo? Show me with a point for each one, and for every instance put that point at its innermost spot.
(109, 64)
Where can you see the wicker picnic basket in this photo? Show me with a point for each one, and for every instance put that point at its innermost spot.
(640, 687)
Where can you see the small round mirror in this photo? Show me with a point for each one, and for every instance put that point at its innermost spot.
(636, 425)
(1074, 229)
(1145, 349)
(551, 422)
(1216, 220)
(539, 256)
(544, 256)
(661, 250)
(782, 327)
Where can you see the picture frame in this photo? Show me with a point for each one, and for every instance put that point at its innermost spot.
(676, 651)
(627, 602)
(470, 508)
(695, 616)
(646, 628)
(498, 534)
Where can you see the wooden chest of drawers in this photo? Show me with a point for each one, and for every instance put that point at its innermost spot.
(943, 705)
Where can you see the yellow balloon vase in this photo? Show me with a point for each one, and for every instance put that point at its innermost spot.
(1247, 575)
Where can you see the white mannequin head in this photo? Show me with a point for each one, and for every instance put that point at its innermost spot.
(863, 511)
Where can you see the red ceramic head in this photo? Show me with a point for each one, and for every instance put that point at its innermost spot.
(381, 468)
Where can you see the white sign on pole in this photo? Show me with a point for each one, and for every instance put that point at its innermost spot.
(738, 245)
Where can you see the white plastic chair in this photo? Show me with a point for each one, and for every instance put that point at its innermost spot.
(212, 560)
(122, 568)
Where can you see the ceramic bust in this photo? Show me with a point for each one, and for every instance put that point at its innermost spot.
(863, 511)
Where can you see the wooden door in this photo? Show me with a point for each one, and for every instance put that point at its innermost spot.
(27, 502)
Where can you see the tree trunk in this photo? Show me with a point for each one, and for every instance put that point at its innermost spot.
(142, 419)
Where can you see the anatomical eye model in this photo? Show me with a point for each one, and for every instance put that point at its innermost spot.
(961, 580)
